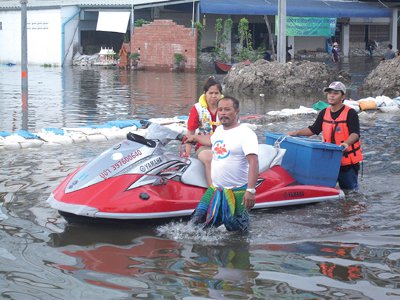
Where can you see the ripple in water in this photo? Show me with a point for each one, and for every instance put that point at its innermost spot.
(185, 231)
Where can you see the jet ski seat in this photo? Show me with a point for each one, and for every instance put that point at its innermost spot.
(269, 156)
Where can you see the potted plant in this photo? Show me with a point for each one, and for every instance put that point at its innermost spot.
(179, 61)
(134, 57)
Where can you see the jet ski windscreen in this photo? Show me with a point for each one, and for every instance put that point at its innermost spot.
(161, 133)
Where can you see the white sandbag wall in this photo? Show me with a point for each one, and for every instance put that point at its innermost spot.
(381, 103)
(51, 137)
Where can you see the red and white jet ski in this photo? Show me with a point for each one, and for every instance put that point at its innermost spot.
(138, 179)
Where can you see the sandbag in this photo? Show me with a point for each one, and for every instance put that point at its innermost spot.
(389, 109)
(367, 104)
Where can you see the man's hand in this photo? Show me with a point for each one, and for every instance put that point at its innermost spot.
(345, 146)
(203, 139)
(249, 200)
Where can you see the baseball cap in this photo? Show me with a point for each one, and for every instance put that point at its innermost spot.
(336, 86)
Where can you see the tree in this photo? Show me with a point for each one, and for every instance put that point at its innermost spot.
(222, 32)
(246, 51)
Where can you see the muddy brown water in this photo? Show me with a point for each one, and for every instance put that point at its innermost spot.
(340, 250)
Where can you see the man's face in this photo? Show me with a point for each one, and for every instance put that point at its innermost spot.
(335, 97)
(227, 113)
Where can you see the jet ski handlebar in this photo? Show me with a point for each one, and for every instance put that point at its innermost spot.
(140, 139)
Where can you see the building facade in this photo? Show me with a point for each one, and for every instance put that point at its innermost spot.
(56, 30)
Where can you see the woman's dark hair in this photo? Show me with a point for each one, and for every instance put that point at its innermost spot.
(211, 82)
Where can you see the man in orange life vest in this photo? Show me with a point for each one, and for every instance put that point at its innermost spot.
(339, 125)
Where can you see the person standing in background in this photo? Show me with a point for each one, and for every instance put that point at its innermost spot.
(370, 47)
(335, 52)
(389, 54)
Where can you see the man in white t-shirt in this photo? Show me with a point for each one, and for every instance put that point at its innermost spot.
(234, 171)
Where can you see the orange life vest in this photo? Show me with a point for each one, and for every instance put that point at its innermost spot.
(337, 131)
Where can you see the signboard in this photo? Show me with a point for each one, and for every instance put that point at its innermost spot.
(299, 26)
(114, 21)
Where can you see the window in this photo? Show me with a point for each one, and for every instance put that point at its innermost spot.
(379, 33)
(1, 25)
(357, 33)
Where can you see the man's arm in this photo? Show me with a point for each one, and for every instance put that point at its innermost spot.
(353, 137)
(305, 131)
(199, 138)
(353, 124)
(249, 198)
(315, 128)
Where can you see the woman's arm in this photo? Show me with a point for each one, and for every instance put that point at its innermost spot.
(188, 146)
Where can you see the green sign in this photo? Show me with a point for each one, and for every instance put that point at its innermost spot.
(298, 26)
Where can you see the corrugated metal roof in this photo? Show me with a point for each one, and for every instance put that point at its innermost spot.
(297, 8)
(10, 4)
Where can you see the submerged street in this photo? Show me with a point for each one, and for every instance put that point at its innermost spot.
(337, 250)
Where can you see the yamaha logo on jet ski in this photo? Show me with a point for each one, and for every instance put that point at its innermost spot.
(171, 185)
(150, 164)
(294, 194)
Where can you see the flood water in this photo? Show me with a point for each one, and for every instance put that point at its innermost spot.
(341, 250)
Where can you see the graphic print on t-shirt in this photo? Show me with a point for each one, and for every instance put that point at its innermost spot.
(219, 150)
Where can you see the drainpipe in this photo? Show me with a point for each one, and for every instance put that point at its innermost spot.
(393, 28)
(63, 36)
(132, 21)
(193, 17)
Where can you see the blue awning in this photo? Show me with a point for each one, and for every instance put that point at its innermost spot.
(296, 8)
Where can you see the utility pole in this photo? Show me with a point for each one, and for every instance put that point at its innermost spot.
(281, 31)
(24, 64)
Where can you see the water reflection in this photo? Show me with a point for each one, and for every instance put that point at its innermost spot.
(155, 264)
(24, 105)
(152, 265)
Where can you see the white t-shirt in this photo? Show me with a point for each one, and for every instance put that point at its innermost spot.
(230, 167)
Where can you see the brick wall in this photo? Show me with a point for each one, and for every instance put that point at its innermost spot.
(158, 41)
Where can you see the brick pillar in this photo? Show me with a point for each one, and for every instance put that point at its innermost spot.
(158, 41)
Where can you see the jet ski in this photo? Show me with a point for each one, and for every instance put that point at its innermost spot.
(141, 178)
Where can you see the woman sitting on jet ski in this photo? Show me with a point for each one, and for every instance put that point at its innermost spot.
(203, 118)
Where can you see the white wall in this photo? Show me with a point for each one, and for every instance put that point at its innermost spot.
(43, 30)
(10, 37)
